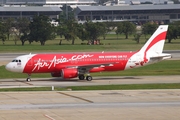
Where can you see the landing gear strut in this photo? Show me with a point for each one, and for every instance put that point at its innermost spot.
(28, 78)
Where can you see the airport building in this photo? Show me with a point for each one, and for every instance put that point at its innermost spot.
(136, 13)
(29, 12)
(161, 13)
(46, 2)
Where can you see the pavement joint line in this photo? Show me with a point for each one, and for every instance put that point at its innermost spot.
(24, 82)
(76, 97)
(49, 117)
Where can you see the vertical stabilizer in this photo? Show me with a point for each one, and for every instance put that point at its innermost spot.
(151, 52)
(155, 44)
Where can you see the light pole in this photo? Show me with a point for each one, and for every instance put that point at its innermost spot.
(66, 11)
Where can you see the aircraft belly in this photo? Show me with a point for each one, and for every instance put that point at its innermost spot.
(115, 67)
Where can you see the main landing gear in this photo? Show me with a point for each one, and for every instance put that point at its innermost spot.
(88, 77)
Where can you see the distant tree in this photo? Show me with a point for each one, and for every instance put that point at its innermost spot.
(72, 31)
(104, 29)
(94, 30)
(68, 29)
(24, 38)
(67, 25)
(149, 28)
(61, 31)
(9, 23)
(61, 28)
(21, 29)
(41, 29)
(109, 26)
(137, 37)
(119, 29)
(67, 12)
(128, 28)
(2, 32)
(173, 32)
(82, 33)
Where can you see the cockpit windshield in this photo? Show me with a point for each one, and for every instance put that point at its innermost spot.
(15, 60)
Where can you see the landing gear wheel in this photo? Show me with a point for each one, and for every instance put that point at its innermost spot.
(88, 78)
(28, 79)
(81, 77)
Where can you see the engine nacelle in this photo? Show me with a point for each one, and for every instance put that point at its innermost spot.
(69, 73)
(56, 74)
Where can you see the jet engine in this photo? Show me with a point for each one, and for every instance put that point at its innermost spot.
(66, 73)
(69, 73)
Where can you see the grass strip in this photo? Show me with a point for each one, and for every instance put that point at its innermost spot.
(111, 43)
(29, 89)
(100, 87)
(128, 87)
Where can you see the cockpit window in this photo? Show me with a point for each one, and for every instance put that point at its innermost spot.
(16, 60)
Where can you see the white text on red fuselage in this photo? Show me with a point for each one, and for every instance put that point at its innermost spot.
(40, 63)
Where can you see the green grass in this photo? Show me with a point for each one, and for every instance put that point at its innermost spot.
(110, 44)
(128, 87)
(167, 67)
(100, 87)
(26, 89)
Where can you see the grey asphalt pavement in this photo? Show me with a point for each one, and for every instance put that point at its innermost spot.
(91, 105)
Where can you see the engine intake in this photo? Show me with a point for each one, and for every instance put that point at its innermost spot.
(56, 74)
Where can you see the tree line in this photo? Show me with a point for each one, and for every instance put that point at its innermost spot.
(40, 29)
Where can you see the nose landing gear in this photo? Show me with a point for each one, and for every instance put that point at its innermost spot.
(28, 78)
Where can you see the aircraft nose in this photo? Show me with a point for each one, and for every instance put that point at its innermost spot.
(8, 67)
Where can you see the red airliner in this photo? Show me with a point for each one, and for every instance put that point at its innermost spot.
(72, 65)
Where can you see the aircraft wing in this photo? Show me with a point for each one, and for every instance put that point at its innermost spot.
(89, 66)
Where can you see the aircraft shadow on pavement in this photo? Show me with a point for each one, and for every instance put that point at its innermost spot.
(70, 80)
(77, 80)
(116, 78)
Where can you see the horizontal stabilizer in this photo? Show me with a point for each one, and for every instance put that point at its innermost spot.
(162, 56)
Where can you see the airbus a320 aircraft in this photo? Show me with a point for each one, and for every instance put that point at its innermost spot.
(72, 65)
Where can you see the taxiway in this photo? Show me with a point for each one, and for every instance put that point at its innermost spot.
(57, 82)
(91, 105)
